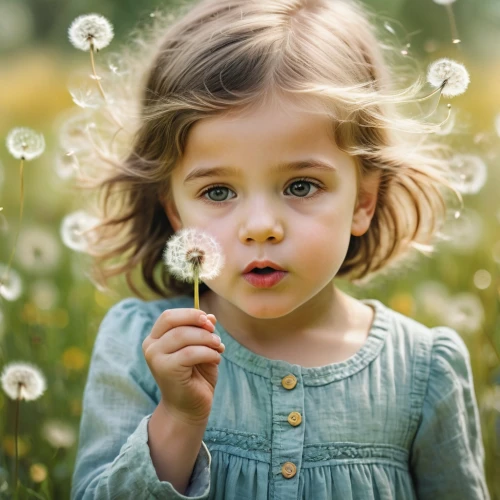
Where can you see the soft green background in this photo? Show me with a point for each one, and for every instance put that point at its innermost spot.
(36, 61)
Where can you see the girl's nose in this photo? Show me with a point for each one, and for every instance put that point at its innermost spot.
(260, 223)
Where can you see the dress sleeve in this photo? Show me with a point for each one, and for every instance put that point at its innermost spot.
(113, 459)
(447, 456)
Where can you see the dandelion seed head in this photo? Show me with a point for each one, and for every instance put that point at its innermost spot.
(24, 376)
(192, 248)
(470, 173)
(453, 73)
(465, 313)
(10, 283)
(90, 30)
(25, 144)
(38, 250)
(74, 227)
(59, 434)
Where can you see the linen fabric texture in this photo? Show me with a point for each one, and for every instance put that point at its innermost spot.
(397, 420)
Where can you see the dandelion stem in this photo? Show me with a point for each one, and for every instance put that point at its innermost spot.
(97, 78)
(439, 89)
(16, 439)
(196, 287)
(6, 274)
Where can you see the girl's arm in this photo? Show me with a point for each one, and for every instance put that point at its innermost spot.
(114, 458)
(447, 458)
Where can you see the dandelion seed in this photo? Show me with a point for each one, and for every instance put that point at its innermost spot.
(192, 254)
(25, 144)
(471, 172)
(76, 228)
(10, 283)
(59, 434)
(448, 76)
(90, 31)
(23, 381)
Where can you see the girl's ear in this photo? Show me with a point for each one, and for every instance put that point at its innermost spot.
(173, 216)
(365, 205)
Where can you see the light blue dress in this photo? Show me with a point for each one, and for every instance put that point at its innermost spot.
(397, 420)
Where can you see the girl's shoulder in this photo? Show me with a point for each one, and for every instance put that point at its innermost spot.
(429, 350)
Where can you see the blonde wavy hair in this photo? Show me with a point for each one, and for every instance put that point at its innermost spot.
(216, 56)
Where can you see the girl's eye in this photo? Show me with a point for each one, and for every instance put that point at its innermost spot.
(299, 189)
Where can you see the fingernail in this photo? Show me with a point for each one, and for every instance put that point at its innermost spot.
(203, 319)
(217, 339)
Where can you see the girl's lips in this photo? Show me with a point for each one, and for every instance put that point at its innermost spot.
(265, 280)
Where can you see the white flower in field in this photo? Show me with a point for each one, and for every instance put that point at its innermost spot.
(44, 294)
(90, 31)
(59, 434)
(465, 313)
(444, 2)
(24, 377)
(25, 144)
(192, 248)
(38, 250)
(471, 173)
(76, 230)
(10, 283)
(449, 73)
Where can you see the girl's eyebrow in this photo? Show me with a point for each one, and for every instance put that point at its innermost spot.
(205, 172)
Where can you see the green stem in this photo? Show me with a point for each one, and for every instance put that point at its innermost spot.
(196, 288)
(5, 276)
(16, 439)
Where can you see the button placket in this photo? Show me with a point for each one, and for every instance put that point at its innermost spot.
(287, 432)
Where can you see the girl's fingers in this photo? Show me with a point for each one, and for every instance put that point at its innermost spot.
(172, 318)
(195, 355)
(180, 338)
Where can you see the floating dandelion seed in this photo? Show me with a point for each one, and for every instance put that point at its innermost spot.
(90, 31)
(448, 76)
(75, 229)
(21, 381)
(451, 18)
(191, 255)
(25, 144)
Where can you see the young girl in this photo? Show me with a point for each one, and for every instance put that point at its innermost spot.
(271, 126)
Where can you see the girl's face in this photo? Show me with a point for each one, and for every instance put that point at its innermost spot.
(271, 184)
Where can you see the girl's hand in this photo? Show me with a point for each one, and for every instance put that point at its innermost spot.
(183, 355)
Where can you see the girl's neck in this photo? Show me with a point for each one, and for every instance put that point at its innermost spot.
(332, 318)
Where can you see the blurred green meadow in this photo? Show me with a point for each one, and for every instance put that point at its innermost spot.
(54, 320)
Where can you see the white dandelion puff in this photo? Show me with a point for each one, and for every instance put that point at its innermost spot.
(448, 75)
(470, 172)
(10, 283)
(76, 230)
(59, 434)
(39, 250)
(465, 313)
(191, 255)
(190, 250)
(25, 144)
(23, 380)
(90, 31)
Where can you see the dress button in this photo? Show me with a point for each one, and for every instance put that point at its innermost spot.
(288, 470)
(289, 382)
(294, 418)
